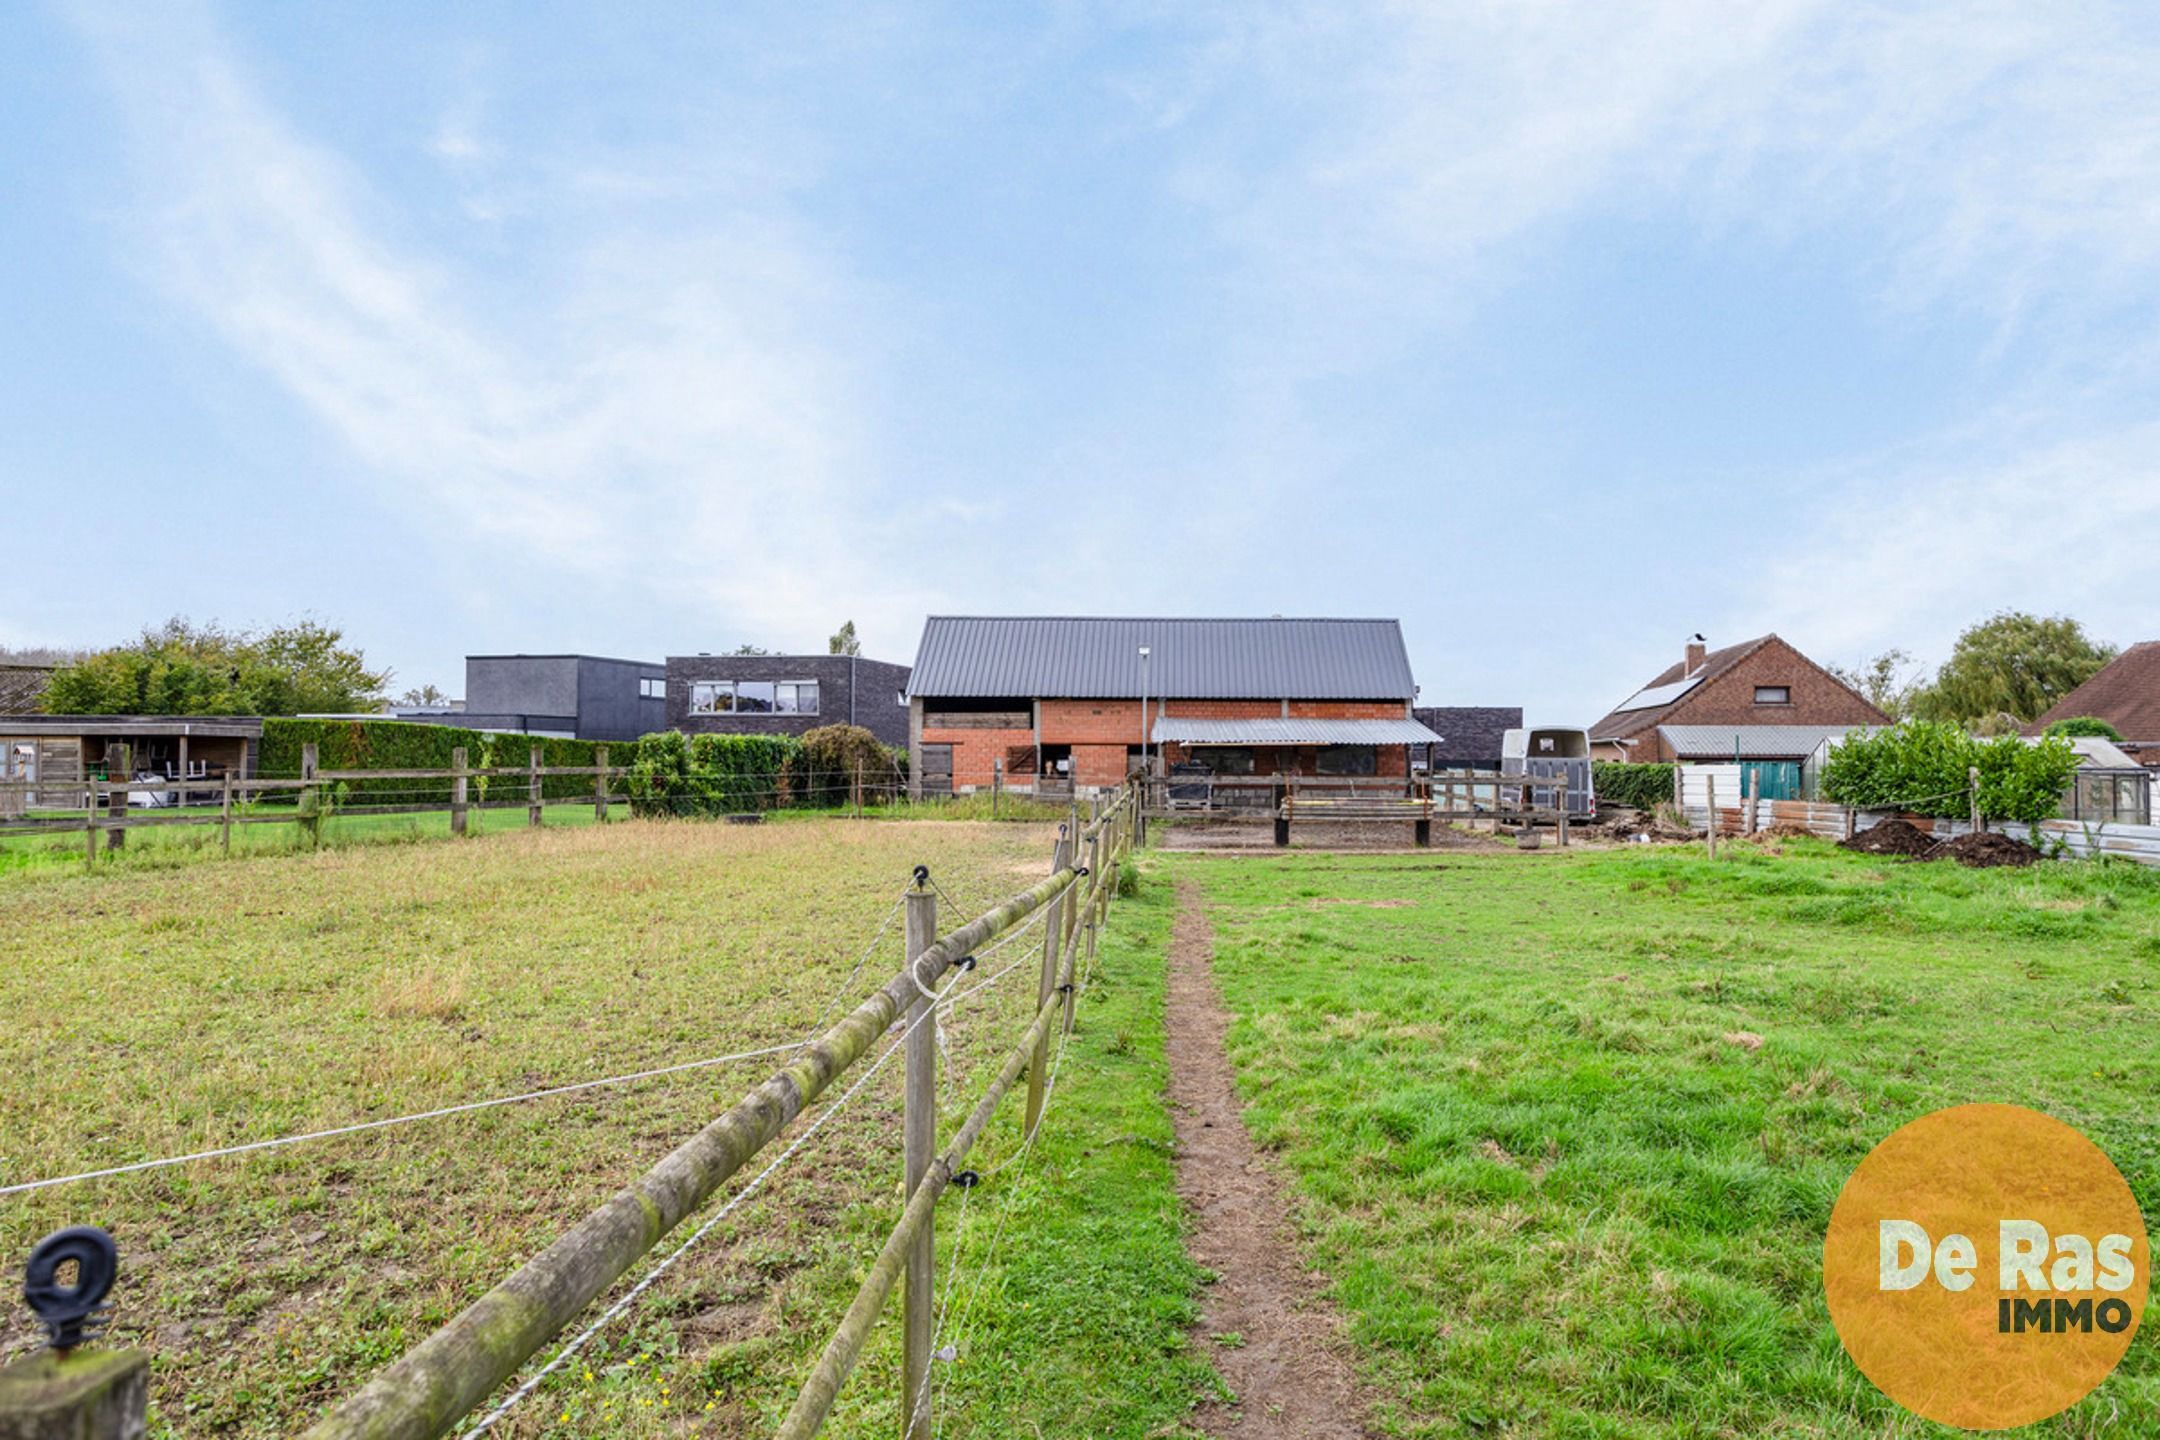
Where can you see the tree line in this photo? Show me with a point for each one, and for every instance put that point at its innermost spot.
(185, 668)
(2003, 673)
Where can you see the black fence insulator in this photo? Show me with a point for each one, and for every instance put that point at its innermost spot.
(73, 1313)
(922, 876)
(967, 1179)
(965, 962)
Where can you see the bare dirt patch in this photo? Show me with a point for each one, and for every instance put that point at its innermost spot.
(1277, 1345)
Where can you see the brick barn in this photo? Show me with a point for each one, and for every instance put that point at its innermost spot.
(1056, 703)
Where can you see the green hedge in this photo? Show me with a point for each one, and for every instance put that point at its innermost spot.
(402, 745)
(1922, 766)
(676, 774)
(1643, 786)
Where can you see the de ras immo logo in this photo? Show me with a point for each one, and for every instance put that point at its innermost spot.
(1986, 1266)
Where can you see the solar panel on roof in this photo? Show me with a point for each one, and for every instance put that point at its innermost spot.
(1658, 695)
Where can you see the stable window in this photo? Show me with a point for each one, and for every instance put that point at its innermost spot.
(1226, 759)
(1773, 694)
(795, 697)
(1348, 760)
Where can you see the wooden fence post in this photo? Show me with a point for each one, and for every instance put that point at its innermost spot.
(1560, 807)
(600, 795)
(858, 787)
(997, 784)
(532, 787)
(919, 1137)
(1074, 917)
(458, 783)
(225, 813)
(1053, 934)
(116, 801)
(1972, 782)
(90, 824)
(79, 1394)
(1754, 801)
(1710, 800)
(310, 798)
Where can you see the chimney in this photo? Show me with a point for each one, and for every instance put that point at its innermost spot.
(1697, 651)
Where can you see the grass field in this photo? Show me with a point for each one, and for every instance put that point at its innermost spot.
(155, 846)
(1566, 1130)
(156, 1010)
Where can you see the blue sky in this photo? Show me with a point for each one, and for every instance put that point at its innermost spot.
(1557, 330)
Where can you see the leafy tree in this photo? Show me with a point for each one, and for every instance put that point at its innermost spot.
(1886, 682)
(180, 668)
(749, 650)
(2077, 725)
(843, 641)
(424, 697)
(2008, 669)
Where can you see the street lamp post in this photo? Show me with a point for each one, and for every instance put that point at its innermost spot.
(1143, 712)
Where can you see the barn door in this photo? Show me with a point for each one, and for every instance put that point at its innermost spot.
(937, 769)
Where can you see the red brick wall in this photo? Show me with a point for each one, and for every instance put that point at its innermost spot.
(1100, 730)
(974, 750)
(1098, 765)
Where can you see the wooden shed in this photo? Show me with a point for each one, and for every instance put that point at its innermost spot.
(56, 753)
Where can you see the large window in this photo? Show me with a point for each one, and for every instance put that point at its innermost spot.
(1773, 694)
(1348, 760)
(754, 697)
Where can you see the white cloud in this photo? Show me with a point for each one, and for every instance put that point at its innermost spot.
(1909, 551)
(671, 413)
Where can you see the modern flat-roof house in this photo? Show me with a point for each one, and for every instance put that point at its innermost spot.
(1761, 692)
(786, 695)
(1056, 702)
(582, 697)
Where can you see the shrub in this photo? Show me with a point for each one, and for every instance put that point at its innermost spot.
(1923, 766)
(831, 757)
(1128, 880)
(1642, 786)
(2084, 725)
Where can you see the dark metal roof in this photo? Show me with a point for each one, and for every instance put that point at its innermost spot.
(242, 726)
(1060, 657)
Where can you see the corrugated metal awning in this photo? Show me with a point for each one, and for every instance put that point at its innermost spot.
(1753, 742)
(1181, 730)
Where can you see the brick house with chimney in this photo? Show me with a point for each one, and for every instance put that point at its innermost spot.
(1755, 690)
(1050, 703)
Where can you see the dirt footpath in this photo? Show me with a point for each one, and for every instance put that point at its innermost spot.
(1278, 1346)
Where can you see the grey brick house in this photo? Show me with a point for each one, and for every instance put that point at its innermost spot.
(786, 695)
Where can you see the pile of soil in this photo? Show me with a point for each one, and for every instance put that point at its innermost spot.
(1784, 830)
(1985, 849)
(1892, 837)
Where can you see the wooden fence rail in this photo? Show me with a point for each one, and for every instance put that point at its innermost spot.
(452, 1371)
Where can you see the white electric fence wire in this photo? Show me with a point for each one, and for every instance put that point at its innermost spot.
(734, 1201)
(385, 1124)
(585, 1336)
(467, 1107)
